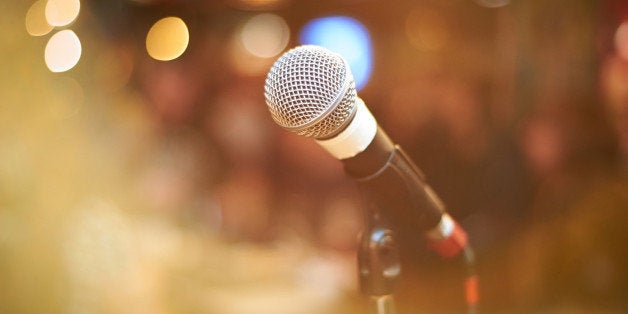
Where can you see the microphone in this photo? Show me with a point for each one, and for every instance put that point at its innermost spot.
(310, 91)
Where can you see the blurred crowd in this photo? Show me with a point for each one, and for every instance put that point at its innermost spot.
(131, 185)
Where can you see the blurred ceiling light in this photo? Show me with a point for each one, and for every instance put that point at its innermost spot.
(265, 35)
(36, 23)
(244, 63)
(426, 30)
(167, 39)
(62, 12)
(492, 3)
(346, 36)
(63, 51)
(621, 40)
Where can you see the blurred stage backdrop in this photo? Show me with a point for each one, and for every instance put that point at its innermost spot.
(140, 171)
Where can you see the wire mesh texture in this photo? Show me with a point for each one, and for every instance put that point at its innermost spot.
(311, 92)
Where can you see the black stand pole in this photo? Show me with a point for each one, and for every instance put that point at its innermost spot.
(379, 267)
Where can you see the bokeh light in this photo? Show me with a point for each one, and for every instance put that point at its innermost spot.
(244, 63)
(167, 39)
(63, 51)
(621, 40)
(260, 38)
(427, 30)
(132, 185)
(265, 35)
(36, 23)
(62, 12)
(346, 36)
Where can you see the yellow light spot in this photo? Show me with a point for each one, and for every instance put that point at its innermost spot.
(265, 35)
(36, 23)
(62, 12)
(63, 51)
(167, 39)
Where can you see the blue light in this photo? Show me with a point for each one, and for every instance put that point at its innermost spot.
(346, 36)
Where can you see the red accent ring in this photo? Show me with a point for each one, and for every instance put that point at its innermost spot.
(452, 245)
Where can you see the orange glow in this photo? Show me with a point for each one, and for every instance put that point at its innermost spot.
(167, 39)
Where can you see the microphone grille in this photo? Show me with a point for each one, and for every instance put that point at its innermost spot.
(310, 91)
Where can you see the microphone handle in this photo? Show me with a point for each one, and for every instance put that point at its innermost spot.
(395, 190)
(393, 185)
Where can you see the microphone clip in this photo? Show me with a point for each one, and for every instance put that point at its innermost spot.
(379, 267)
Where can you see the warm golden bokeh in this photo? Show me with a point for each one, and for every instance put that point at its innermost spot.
(36, 22)
(62, 12)
(63, 51)
(265, 35)
(167, 39)
(129, 185)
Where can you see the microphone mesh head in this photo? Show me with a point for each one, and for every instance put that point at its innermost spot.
(310, 91)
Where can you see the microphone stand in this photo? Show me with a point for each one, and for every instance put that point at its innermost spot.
(378, 266)
(396, 194)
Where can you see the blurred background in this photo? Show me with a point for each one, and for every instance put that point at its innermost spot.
(140, 171)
